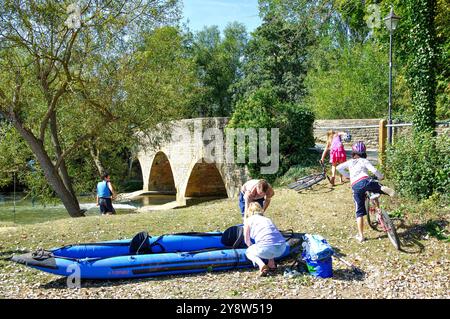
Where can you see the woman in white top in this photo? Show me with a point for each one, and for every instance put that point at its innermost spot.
(361, 182)
(269, 243)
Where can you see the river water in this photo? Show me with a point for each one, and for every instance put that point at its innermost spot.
(23, 210)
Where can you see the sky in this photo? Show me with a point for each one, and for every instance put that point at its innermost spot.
(220, 12)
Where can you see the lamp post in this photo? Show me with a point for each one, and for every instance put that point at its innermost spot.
(391, 21)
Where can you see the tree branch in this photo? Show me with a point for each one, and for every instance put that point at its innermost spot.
(63, 88)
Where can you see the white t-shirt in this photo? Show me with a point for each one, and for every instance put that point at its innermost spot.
(359, 169)
(263, 231)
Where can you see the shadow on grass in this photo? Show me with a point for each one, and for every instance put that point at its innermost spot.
(61, 283)
(347, 274)
(412, 235)
(407, 245)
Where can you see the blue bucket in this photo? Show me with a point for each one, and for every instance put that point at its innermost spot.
(320, 268)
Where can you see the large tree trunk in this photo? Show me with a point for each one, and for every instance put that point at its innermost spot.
(62, 166)
(70, 202)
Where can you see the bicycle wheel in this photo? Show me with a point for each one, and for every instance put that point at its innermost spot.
(314, 180)
(371, 214)
(300, 181)
(389, 227)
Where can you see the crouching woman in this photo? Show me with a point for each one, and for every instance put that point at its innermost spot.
(269, 243)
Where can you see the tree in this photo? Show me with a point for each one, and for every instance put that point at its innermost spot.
(51, 60)
(348, 82)
(276, 56)
(218, 62)
(264, 109)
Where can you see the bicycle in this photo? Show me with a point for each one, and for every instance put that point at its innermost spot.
(379, 218)
(310, 180)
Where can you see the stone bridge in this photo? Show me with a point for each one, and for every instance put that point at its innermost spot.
(181, 163)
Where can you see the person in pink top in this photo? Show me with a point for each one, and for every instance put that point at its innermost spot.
(255, 190)
(269, 243)
(337, 152)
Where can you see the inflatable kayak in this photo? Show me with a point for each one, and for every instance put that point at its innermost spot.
(146, 256)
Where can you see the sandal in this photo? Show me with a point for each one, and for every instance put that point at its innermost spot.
(273, 268)
(264, 271)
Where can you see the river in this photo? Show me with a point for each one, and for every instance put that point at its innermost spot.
(23, 211)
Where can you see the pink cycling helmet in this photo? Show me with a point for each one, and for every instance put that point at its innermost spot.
(359, 147)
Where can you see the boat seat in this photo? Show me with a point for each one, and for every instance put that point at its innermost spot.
(140, 244)
(233, 237)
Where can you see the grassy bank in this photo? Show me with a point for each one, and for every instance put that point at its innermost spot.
(422, 270)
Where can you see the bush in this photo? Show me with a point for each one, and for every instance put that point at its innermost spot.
(263, 109)
(419, 165)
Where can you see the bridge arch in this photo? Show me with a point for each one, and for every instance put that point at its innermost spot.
(205, 180)
(161, 175)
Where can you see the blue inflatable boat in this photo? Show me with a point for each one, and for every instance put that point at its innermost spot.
(146, 256)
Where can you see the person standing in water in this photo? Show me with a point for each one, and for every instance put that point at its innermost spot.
(105, 195)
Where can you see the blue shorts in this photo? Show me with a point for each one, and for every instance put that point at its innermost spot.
(242, 202)
(359, 194)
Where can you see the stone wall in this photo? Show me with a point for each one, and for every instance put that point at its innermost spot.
(368, 135)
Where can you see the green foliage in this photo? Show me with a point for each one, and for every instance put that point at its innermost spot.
(422, 67)
(218, 63)
(348, 82)
(263, 109)
(15, 156)
(309, 165)
(13, 152)
(160, 81)
(276, 57)
(437, 230)
(442, 22)
(398, 212)
(353, 15)
(419, 165)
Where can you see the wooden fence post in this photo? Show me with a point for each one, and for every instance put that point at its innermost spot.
(382, 138)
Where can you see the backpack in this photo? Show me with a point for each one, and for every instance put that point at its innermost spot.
(233, 237)
(315, 247)
(140, 244)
